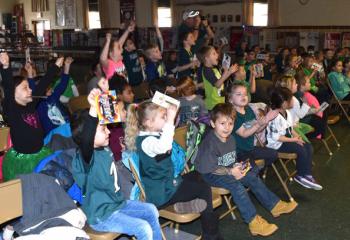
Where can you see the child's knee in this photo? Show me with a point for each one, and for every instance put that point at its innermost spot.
(144, 230)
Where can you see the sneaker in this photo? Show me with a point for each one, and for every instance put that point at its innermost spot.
(308, 182)
(194, 206)
(313, 183)
(259, 226)
(283, 207)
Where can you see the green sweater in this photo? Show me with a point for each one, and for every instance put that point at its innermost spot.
(308, 72)
(339, 84)
(157, 175)
(101, 195)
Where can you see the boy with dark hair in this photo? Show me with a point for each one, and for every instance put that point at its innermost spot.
(217, 162)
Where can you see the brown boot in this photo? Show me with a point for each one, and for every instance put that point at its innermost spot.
(259, 226)
(283, 207)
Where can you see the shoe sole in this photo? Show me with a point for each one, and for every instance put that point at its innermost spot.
(302, 184)
(193, 206)
(266, 234)
(290, 210)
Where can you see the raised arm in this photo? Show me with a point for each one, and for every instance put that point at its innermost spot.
(126, 33)
(6, 74)
(105, 50)
(44, 83)
(61, 87)
(159, 36)
(86, 145)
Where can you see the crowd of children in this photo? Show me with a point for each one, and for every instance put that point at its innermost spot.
(221, 95)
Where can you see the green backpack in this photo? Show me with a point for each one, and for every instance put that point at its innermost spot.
(195, 133)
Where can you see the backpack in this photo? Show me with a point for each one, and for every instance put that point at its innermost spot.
(195, 133)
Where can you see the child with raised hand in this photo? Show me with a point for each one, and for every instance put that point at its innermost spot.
(150, 132)
(192, 105)
(111, 56)
(20, 109)
(132, 63)
(219, 166)
(281, 137)
(246, 125)
(186, 61)
(51, 112)
(213, 79)
(95, 172)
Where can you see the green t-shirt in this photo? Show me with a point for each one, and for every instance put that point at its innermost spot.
(247, 121)
(213, 95)
(308, 72)
(68, 93)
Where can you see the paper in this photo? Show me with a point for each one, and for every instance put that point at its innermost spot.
(226, 61)
(164, 100)
(317, 66)
(108, 111)
(259, 69)
(323, 106)
(261, 56)
(27, 55)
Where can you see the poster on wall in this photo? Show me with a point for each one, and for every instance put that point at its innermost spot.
(332, 40)
(346, 40)
(66, 13)
(309, 39)
(127, 11)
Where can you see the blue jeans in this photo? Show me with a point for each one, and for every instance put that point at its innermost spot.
(304, 153)
(134, 219)
(240, 195)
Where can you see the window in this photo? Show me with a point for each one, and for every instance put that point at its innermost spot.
(164, 17)
(94, 14)
(260, 14)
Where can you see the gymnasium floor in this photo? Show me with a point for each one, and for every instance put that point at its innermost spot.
(321, 215)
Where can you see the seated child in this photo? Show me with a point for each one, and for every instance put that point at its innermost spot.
(281, 137)
(155, 70)
(315, 120)
(95, 172)
(51, 112)
(339, 83)
(246, 125)
(111, 56)
(150, 132)
(171, 64)
(212, 78)
(26, 132)
(191, 105)
(95, 74)
(217, 162)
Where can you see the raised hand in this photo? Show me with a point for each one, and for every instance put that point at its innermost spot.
(92, 101)
(171, 113)
(4, 60)
(233, 68)
(59, 61)
(29, 68)
(108, 36)
(67, 62)
(131, 26)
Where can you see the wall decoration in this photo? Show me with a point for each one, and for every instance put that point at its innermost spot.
(66, 13)
(215, 18)
(223, 18)
(127, 10)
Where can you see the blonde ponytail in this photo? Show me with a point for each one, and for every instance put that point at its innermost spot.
(136, 117)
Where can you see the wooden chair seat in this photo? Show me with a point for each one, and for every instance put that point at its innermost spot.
(78, 103)
(94, 235)
(333, 119)
(170, 214)
(287, 156)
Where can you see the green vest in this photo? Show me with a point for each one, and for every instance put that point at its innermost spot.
(212, 93)
(157, 176)
(98, 182)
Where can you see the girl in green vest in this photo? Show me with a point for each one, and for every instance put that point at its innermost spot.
(150, 132)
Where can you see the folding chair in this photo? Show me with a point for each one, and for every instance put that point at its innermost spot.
(4, 134)
(168, 213)
(340, 103)
(331, 136)
(78, 103)
(284, 159)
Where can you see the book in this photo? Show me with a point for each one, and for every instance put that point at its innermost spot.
(259, 69)
(108, 111)
(164, 100)
(226, 61)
